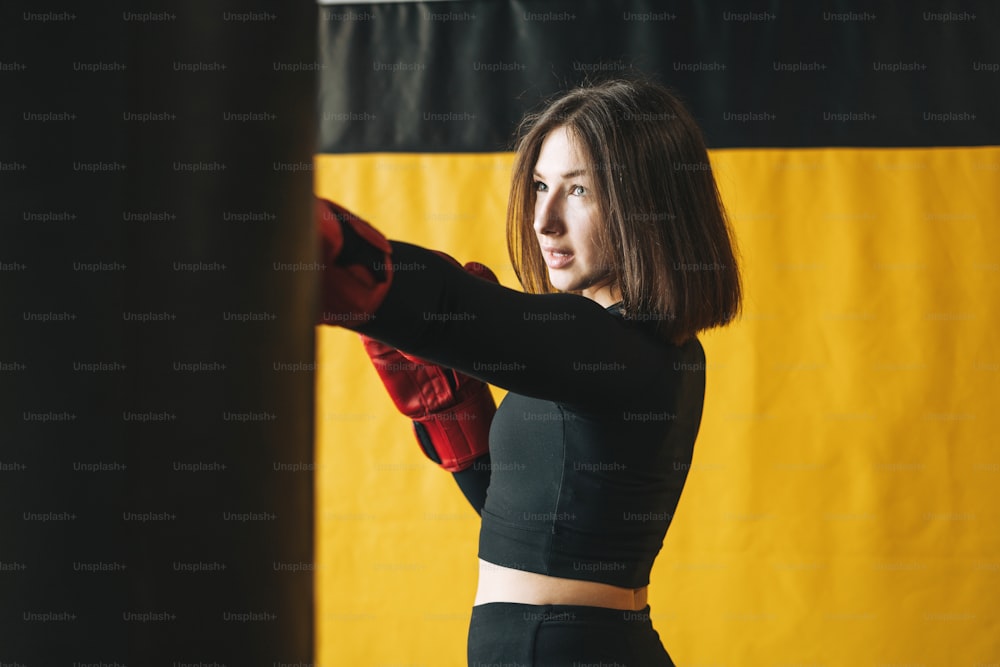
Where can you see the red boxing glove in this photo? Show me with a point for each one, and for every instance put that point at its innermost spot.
(451, 412)
(357, 265)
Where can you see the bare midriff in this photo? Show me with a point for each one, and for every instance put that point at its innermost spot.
(504, 584)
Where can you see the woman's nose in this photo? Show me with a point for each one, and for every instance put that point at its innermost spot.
(548, 215)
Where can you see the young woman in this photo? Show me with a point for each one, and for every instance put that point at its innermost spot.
(618, 236)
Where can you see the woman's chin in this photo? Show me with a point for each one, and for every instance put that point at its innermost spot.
(560, 283)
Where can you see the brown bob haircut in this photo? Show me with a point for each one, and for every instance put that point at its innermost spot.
(667, 243)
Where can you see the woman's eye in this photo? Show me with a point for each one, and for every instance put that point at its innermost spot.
(540, 187)
(578, 190)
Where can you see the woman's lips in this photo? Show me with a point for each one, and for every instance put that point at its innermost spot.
(556, 258)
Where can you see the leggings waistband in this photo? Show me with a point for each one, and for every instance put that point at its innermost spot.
(511, 634)
(561, 612)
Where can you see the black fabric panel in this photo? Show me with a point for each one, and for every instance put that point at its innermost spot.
(155, 341)
(457, 76)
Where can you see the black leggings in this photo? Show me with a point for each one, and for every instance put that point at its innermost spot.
(506, 634)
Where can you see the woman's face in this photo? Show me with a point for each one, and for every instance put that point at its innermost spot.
(567, 220)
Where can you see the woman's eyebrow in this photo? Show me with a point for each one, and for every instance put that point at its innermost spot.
(569, 174)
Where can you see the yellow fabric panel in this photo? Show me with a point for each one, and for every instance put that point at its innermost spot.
(842, 507)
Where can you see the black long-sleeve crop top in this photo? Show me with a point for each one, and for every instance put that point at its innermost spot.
(591, 446)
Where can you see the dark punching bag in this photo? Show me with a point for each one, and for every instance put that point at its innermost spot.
(158, 295)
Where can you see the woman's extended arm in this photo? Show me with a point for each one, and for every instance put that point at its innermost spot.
(560, 347)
